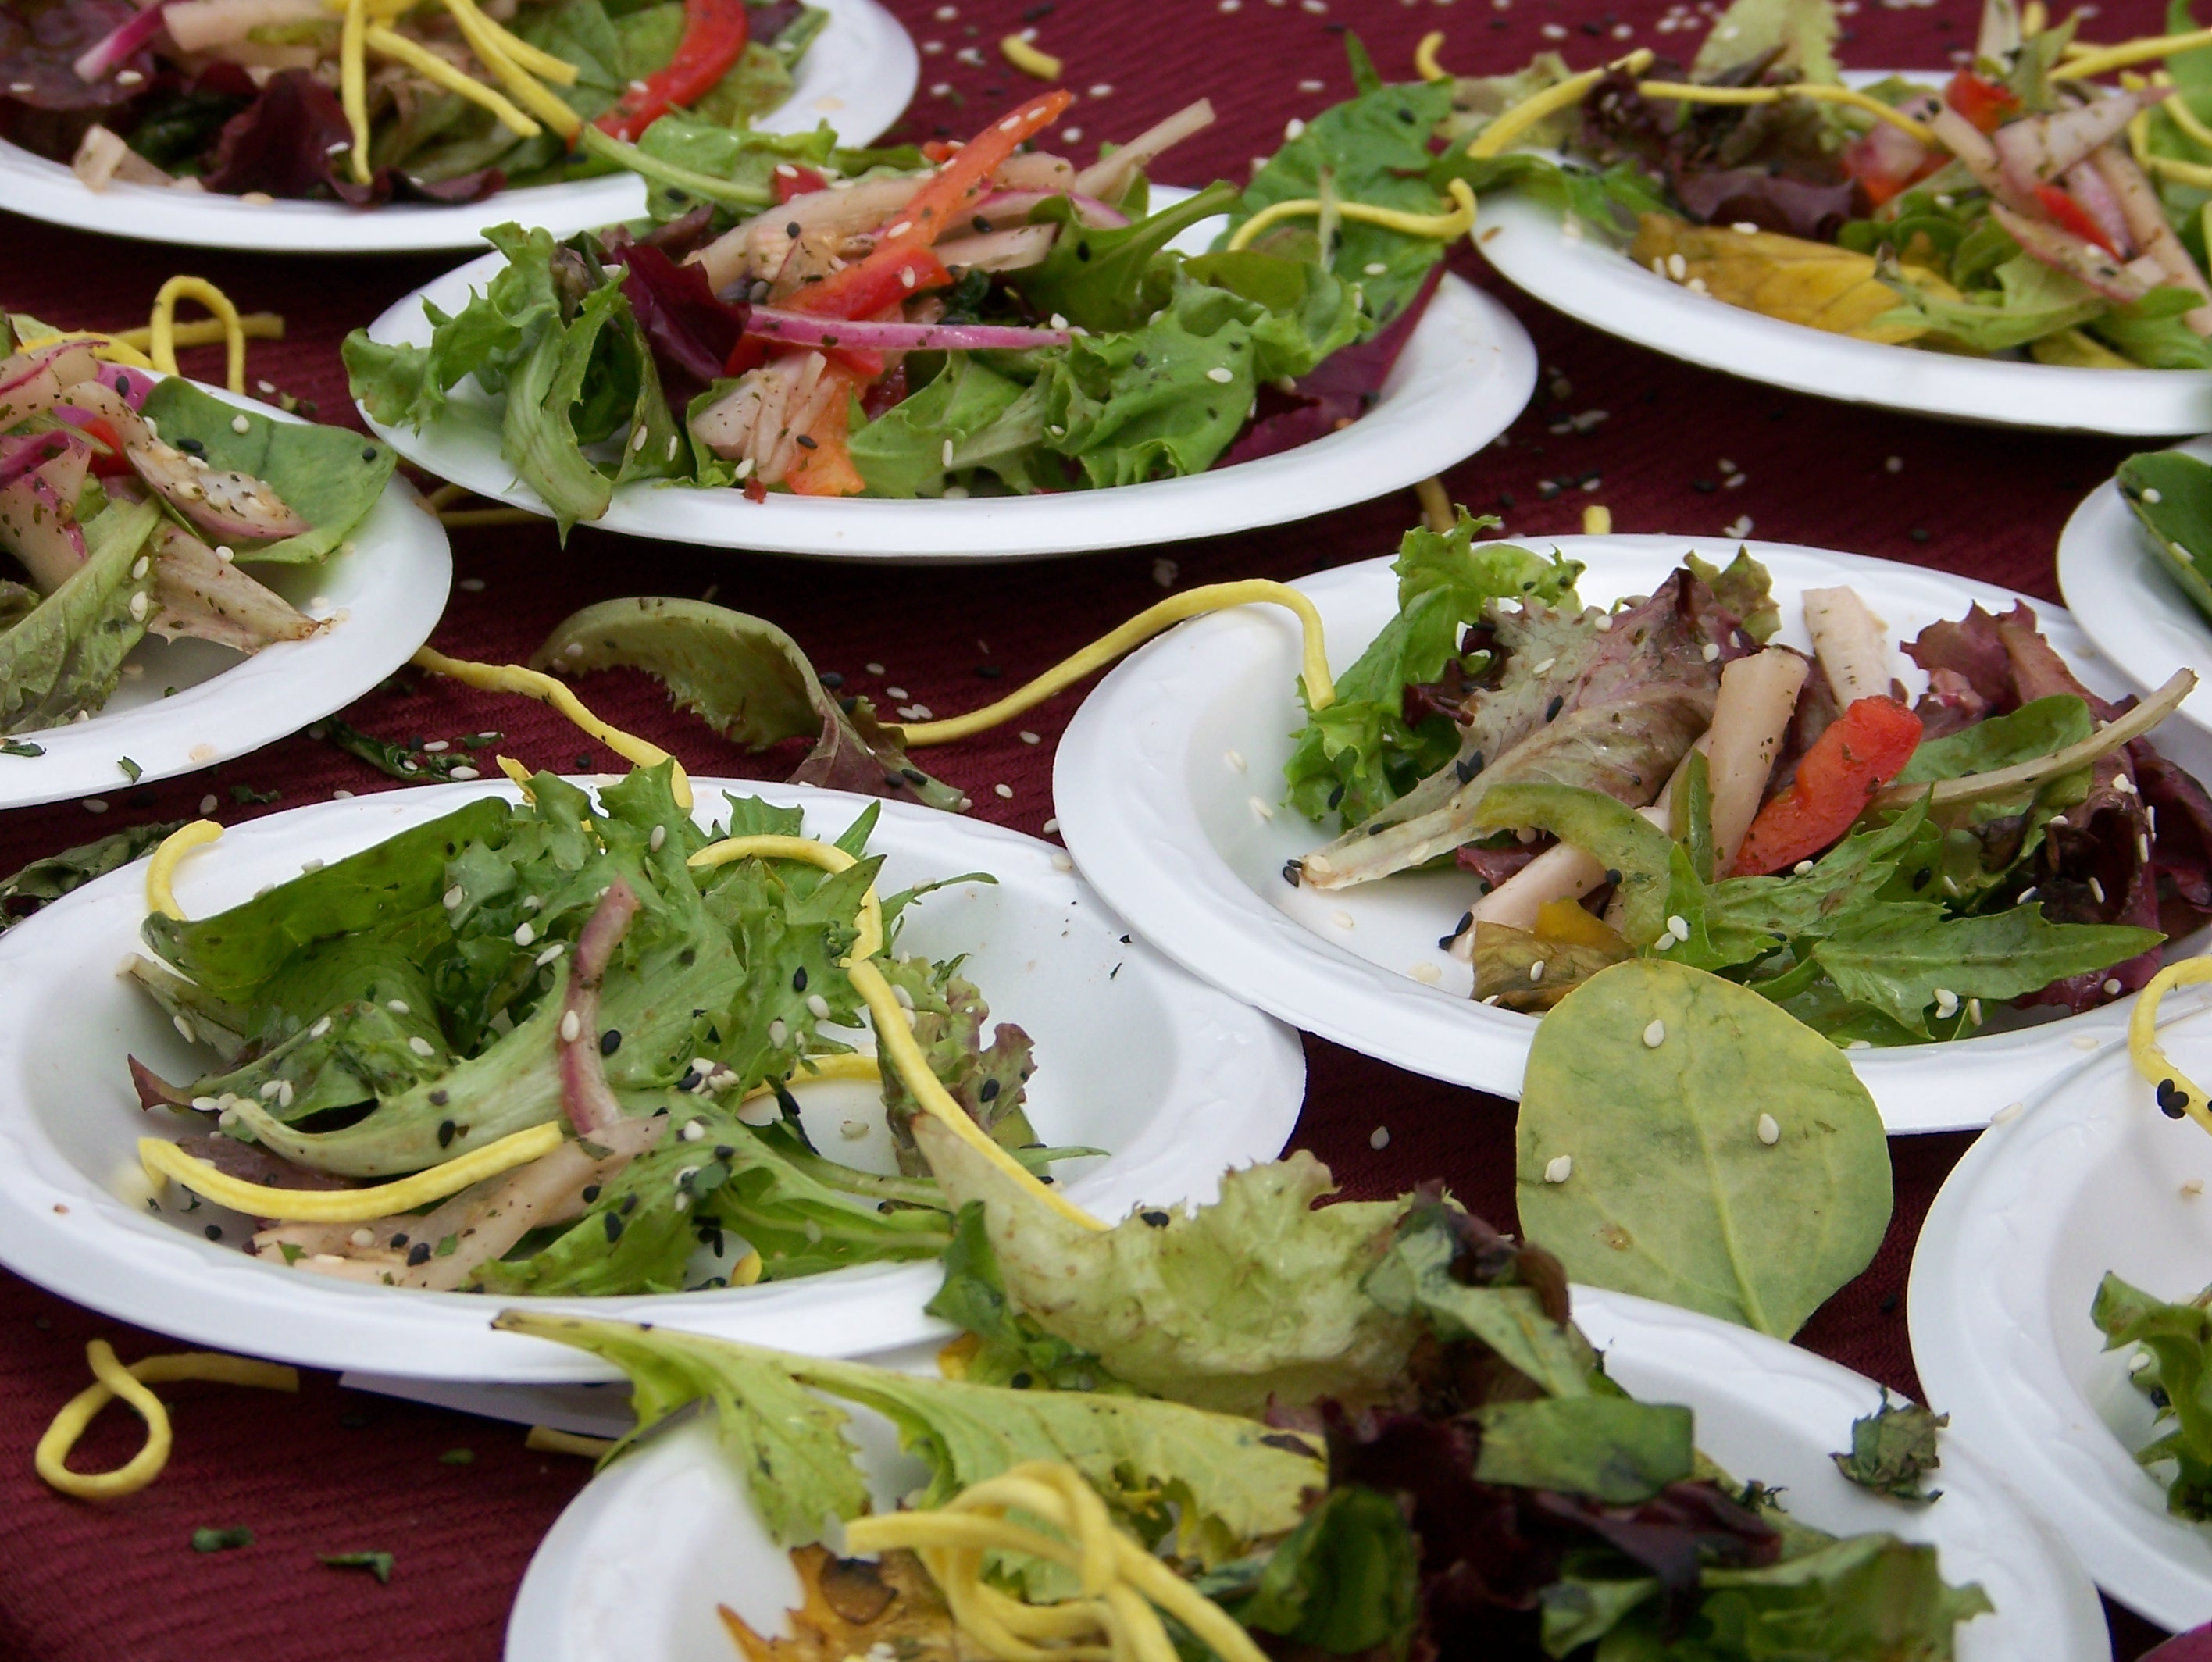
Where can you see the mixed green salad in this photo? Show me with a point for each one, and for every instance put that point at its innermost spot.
(132, 504)
(561, 961)
(1369, 1429)
(985, 318)
(444, 102)
(2019, 208)
(1660, 777)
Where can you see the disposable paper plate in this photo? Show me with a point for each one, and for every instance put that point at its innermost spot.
(1169, 786)
(1175, 1081)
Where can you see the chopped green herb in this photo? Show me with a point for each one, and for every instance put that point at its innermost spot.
(16, 747)
(407, 762)
(221, 1540)
(131, 770)
(377, 1564)
(457, 1457)
(244, 794)
(293, 1253)
(1893, 1449)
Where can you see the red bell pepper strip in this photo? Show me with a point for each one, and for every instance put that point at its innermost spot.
(1862, 750)
(714, 35)
(865, 288)
(823, 463)
(110, 463)
(797, 182)
(1984, 103)
(2072, 217)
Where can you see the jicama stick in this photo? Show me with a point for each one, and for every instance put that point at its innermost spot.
(1752, 713)
(1851, 643)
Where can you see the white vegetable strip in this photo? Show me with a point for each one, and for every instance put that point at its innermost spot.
(1851, 643)
(1109, 177)
(2150, 229)
(1752, 712)
(1561, 873)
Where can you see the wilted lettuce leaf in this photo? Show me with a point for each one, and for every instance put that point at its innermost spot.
(1255, 1297)
(1793, 278)
(66, 657)
(1893, 1450)
(1359, 755)
(1802, 32)
(1670, 1191)
(1613, 1449)
(57, 875)
(1224, 1481)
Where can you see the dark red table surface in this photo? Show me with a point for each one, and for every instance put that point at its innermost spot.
(336, 1471)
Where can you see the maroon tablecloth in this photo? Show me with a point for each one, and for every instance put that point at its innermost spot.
(337, 1471)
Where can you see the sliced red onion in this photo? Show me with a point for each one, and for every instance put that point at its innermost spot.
(25, 455)
(590, 1101)
(1014, 206)
(2038, 149)
(42, 533)
(36, 379)
(115, 48)
(2065, 252)
(2095, 196)
(232, 505)
(802, 329)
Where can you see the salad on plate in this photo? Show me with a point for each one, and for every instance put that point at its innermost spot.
(985, 318)
(1371, 1429)
(132, 503)
(365, 101)
(1661, 778)
(2021, 207)
(551, 1047)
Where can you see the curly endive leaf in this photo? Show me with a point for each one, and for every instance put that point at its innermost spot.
(750, 682)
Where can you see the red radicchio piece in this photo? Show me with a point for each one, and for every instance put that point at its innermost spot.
(591, 1102)
(40, 47)
(691, 333)
(294, 141)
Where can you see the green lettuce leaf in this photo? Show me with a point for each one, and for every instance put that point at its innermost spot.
(992, 422)
(1668, 1188)
(66, 657)
(329, 477)
(2036, 729)
(2171, 496)
(57, 875)
(2175, 1336)
(1256, 1297)
(1613, 1449)
(1111, 279)
(1010, 1348)
(2031, 300)
(1346, 1581)
(1802, 32)
(1216, 1481)
(1358, 755)
(2151, 332)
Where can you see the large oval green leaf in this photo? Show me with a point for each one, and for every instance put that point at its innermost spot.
(1671, 1192)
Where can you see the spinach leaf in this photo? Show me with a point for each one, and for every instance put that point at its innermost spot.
(1104, 280)
(2170, 495)
(1650, 1083)
(2035, 730)
(329, 477)
(992, 422)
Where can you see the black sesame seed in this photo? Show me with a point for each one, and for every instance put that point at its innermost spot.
(798, 978)
(591, 1193)
(611, 1041)
(1612, 875)
(444, 1133)
(989, 1092)
(438, 1097)
(614, 1226)
(630, 1204)
(1552, 710)
(989, 671)
(418, 1254)
(1157, 1220)
(1920, 879)
(1020, 1381)
(831, 679)
(723, 1150)
(398, 1240)
(214, 1232)
(1468, 769)
(192, 446)
(804, 441)
(1291, 872)
(369, 452)
(2158, 1397)
(915, 776)
(1336, 796)
(792, 230)
(1889, 1304)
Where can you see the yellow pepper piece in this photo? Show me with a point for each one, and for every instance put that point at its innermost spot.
(162, 868)
(114, 1380)
(1028, 59)
(1321, 691)
(164, 1160)
(1425, 57)
(1571, 923)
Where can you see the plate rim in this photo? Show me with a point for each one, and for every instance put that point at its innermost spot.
(1142, 849)
(2131, 1553)
(2100, 561)
(1246, 1089)
(48, 191)
(411, 577)
(539, 1628)
(1368, 459)
(1524, 241)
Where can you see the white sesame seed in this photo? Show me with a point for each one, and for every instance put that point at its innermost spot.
(1802, 868)
(2096, 891)
(94, 805)
(1235, 758)
(2084, 1041)
(524, 934)
(659, 838)
(1860, 1044)
(1220, 376)
(1536, 971)
(454, 896)
(1560, 1168)
(1342, 918)
(2112, 986)
(549, 955)
(270, 1089)
(778, 1033)
(1894, 464)
(1712, 651)
(1061, 863)
(1004, 792)
(1379, 1138)
(2153, 497)
(140, 605)
(421, 1045)
(1028, 737)
(2193, 1188)
(1545, 667)
(1050, 828)
(1294, 129)
(206, 805)
(397, 1006)
(570, 1027)
(1677, 267)
(819, 1005)
(695, 1131)
(899, 692)
(945, 452)
(2010, 1111)
(1262, 808)
(1426, 973)
(1678, 927)
(1654, 1033)
(1769, 1132)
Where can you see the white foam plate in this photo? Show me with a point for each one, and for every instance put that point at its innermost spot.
(2125, 600)
(1596, 283)
(183, 704)
(637, 1563)
(1177, 1082)
(2091, 1178)
(1169, 786)
(857, 76)
(1464, 375)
